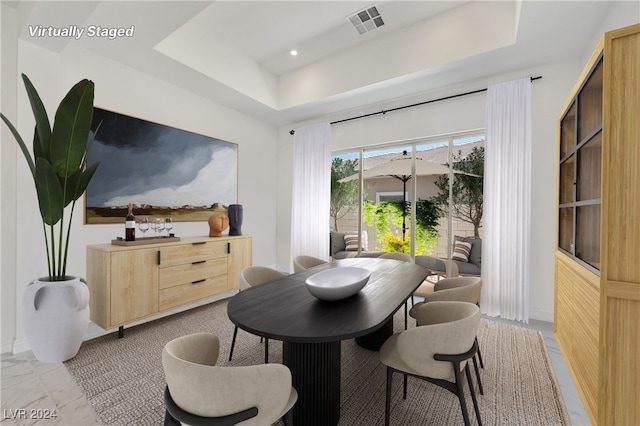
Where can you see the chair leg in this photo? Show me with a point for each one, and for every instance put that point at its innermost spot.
(405, 313)
(475, 366)
(266, 350)
(387, 406)
(404, 387)
(473, 393)
(233, 341)
(479, 355)
(460, 389)
(412, 300)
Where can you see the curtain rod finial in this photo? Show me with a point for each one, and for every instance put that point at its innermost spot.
(291, 132)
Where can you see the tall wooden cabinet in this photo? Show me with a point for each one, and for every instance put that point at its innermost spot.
(130, 283)
(597, 281)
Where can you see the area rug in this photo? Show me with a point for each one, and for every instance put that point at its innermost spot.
(124, 382)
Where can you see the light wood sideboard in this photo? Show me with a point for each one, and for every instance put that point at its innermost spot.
(130, 283)
(597, 291)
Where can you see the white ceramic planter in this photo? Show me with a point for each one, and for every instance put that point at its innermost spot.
(56, 317)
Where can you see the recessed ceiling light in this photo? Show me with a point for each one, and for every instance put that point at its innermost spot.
(294, 53)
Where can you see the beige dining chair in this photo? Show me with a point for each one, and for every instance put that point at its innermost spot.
(404, 258)
(302, 262)
(458, 289)
(198, 392)
(437, 351)
(249, 277)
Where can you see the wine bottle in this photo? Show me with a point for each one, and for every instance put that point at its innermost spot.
(130, 225)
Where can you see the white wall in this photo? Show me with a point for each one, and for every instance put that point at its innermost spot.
(8, 174)
(125, 90)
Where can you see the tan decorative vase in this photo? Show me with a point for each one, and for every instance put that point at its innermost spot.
(218, 223)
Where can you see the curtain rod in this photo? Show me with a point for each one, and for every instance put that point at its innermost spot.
(413, 105)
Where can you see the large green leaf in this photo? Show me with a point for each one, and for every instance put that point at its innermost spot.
(71, 129)
(71, 183)
(37, 146)
(42, 119)
(84, 179)
(49, 192)
(23, 147)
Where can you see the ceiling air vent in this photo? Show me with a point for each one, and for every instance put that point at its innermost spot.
(366, 20)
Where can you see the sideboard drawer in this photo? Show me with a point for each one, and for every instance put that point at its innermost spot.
(190, 272)
(185, 293)
(187, 253)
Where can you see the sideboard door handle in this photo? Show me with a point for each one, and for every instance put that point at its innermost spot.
(228, 247)
(199, 242)
(198, 281)
(158, 257)
(199, 261)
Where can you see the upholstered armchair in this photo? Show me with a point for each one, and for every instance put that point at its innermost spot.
(301, 263)
(250, 276)
(199, 392)
(460, 289)
(457, 289)
(436, 351)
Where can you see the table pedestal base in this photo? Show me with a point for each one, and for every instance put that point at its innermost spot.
(373, 341)
(315, 369)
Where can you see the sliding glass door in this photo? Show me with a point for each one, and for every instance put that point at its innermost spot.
(410, 197)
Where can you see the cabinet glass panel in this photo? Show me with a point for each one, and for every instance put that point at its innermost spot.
(588, 234)
(566, 229)
(590, 104)
(568, 131)
(567, 179)
(590, 169)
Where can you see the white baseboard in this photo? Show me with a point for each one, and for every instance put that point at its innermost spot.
(541, 315)
(93, 331)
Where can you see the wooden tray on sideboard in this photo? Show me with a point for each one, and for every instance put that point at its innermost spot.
(145, 240)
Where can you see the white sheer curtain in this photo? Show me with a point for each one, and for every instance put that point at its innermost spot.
(507, 201)
(311, 191)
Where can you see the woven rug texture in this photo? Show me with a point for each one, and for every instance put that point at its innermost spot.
(124, 382)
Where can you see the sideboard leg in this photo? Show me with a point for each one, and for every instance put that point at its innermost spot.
(121, 332)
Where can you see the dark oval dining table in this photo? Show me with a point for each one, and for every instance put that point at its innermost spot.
(311, 329)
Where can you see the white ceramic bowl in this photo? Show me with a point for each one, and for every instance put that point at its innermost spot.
(337, 283)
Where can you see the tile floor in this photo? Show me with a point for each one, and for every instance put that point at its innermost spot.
(32, 391)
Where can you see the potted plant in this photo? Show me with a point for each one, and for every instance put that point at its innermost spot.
(56, 310)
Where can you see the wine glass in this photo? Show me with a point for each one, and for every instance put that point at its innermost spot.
(144, 225)
(168, 225)
(159, 226)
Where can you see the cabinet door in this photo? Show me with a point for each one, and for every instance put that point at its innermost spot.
(240, 256)
(134, 285)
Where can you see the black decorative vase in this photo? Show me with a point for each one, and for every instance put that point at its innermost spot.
(235, 219)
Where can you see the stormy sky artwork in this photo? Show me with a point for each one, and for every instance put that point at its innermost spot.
(147, 163)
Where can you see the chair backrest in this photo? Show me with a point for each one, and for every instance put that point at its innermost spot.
(396, 256)
(301, 263)
(459, 289)
(254, 275)
(445, 328)
(201, 388)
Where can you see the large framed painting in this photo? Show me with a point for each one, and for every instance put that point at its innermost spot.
(163, 171)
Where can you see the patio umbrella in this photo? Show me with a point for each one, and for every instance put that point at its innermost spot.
(398, 168)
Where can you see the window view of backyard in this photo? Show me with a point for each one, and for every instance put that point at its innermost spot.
(388, 191)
